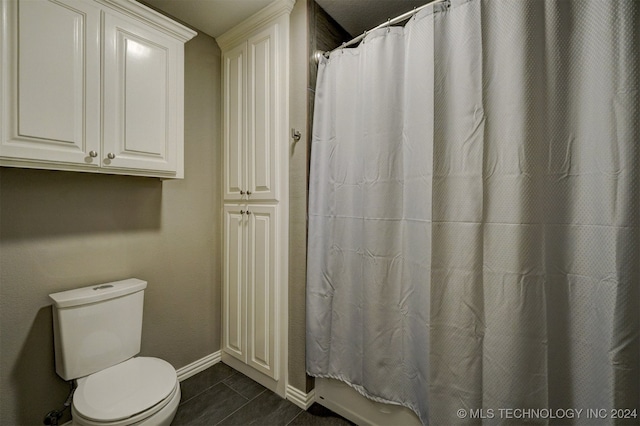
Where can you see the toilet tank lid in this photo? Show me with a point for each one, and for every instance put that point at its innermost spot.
(97, 293)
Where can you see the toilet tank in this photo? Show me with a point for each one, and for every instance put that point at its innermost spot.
(97, 326)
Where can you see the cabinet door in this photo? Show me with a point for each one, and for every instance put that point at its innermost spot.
(233, 284)
(140, 100)
(50, 78)
(263, 117)
(262, 289)
(234, 123)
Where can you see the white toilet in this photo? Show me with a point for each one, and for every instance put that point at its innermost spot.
(97, 332)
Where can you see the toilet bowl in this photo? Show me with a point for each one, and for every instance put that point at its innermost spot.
(97, 335)
(139, 391)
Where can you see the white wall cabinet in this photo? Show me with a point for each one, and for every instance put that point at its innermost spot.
(91, 85)
(255, 70)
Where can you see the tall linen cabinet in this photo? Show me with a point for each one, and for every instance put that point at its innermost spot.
(255, 94)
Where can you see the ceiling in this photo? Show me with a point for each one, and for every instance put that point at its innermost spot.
(215, 17)
(357, 16)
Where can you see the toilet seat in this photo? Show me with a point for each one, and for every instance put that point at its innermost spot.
(127, 392)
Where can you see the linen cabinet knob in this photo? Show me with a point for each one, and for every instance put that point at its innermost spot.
(111, 156)
(93, 154)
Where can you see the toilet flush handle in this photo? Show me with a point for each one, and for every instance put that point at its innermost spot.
(103, 286)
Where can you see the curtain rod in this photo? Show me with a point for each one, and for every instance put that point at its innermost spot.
(318, 53)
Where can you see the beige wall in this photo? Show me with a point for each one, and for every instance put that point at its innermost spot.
(299, 60)
(61, 230)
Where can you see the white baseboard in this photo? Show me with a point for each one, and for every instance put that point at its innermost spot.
(198, 365)
(301, 399)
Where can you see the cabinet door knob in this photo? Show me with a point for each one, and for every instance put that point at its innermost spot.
(241, 192)
(93, 154)
(111, 156)
(248, 212)
(241, 211)
(248, 192)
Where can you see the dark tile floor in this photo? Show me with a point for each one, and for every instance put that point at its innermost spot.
(221, 396)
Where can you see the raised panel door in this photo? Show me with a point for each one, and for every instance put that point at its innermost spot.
(140, 99)
(234, 123)
(51, 74)
(233, 285)
(262, 289)
(263, 113)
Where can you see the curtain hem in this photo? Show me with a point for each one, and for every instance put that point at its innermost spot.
(362, 391)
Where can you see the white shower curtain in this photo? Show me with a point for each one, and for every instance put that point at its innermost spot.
(474, 213)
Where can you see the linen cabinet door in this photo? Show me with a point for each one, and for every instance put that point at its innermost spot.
(262, 289)
(50, 81)
(233, 283)
(141, 67)
(263, 113)
(234, 123)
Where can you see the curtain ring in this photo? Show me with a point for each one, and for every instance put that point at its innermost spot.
(388, 25)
